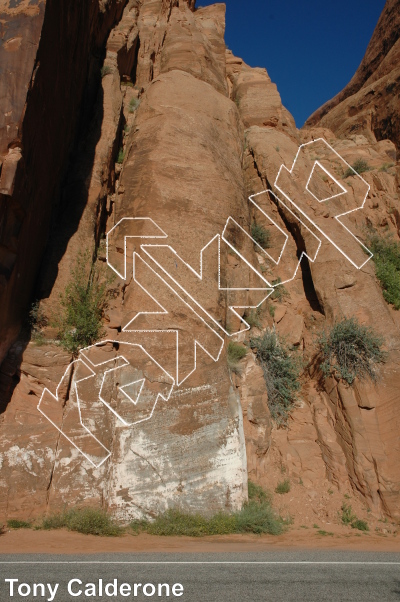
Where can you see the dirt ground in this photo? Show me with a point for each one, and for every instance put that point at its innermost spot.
(27, 541)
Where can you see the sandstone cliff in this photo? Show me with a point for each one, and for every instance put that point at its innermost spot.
(155, 120)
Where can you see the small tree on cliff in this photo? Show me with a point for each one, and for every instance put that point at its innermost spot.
(83, 303)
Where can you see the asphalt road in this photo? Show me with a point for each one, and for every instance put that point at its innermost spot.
(273, 576)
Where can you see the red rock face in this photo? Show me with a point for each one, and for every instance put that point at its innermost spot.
(177, 130)
(31, 176)
(20, 31)
(21, 25)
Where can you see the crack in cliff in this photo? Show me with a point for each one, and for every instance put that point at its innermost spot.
(294, 231)
(355, 474)
(59, 435)
(255, 164)
(150, 464)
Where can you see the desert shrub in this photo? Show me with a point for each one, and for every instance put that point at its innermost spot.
(37, 317)
(82, 304)
(174, 522)
(361, 525)
(120, 156)
(37, 321)
(387, 267)
(280, 292)
(105, 70)
(348, 518)
(347, 514)
(133, 104)
(236, 352)
(258, 493)
(386, 166)
(253, 318)
(283, 486)
(282, 367)
(14, 523)
(324, 533)
(260, 235)
(359, 166)
(89, 521)
(350, 349)
(256, 516)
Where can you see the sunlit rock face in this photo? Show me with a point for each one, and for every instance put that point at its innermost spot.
(158, 135)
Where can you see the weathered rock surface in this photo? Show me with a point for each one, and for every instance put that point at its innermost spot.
(191, 453)
(49, 52)
(196, 132)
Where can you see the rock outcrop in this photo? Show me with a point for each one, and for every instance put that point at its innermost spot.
(50, 55)
(369, 104)
(198, 462)
(157, 122)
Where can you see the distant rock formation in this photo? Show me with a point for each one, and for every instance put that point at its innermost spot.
(369, 104)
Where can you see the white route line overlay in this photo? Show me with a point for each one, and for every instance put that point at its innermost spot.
(337, 217)
(79, 410)
(127, 385)
(166, 398)
(199, 275)
(304, 253)
(165, 312)
(161, 234)
(334, 196)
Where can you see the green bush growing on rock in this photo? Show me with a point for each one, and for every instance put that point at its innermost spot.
(82, 305)
(350, 349)
(347, 514)
(105, 70)
(282, 368)
(359, 166)
(253, 317)
(257, 493)
(37, 321)
(280, 291)
(283, 486)
(133, 104)
(348, 518)
(236, 352)
(120, 156)
(387, 267)
(386, 166)
(361, 525)
(260, 235)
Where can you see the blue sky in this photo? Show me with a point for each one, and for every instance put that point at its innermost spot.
(310, 48)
